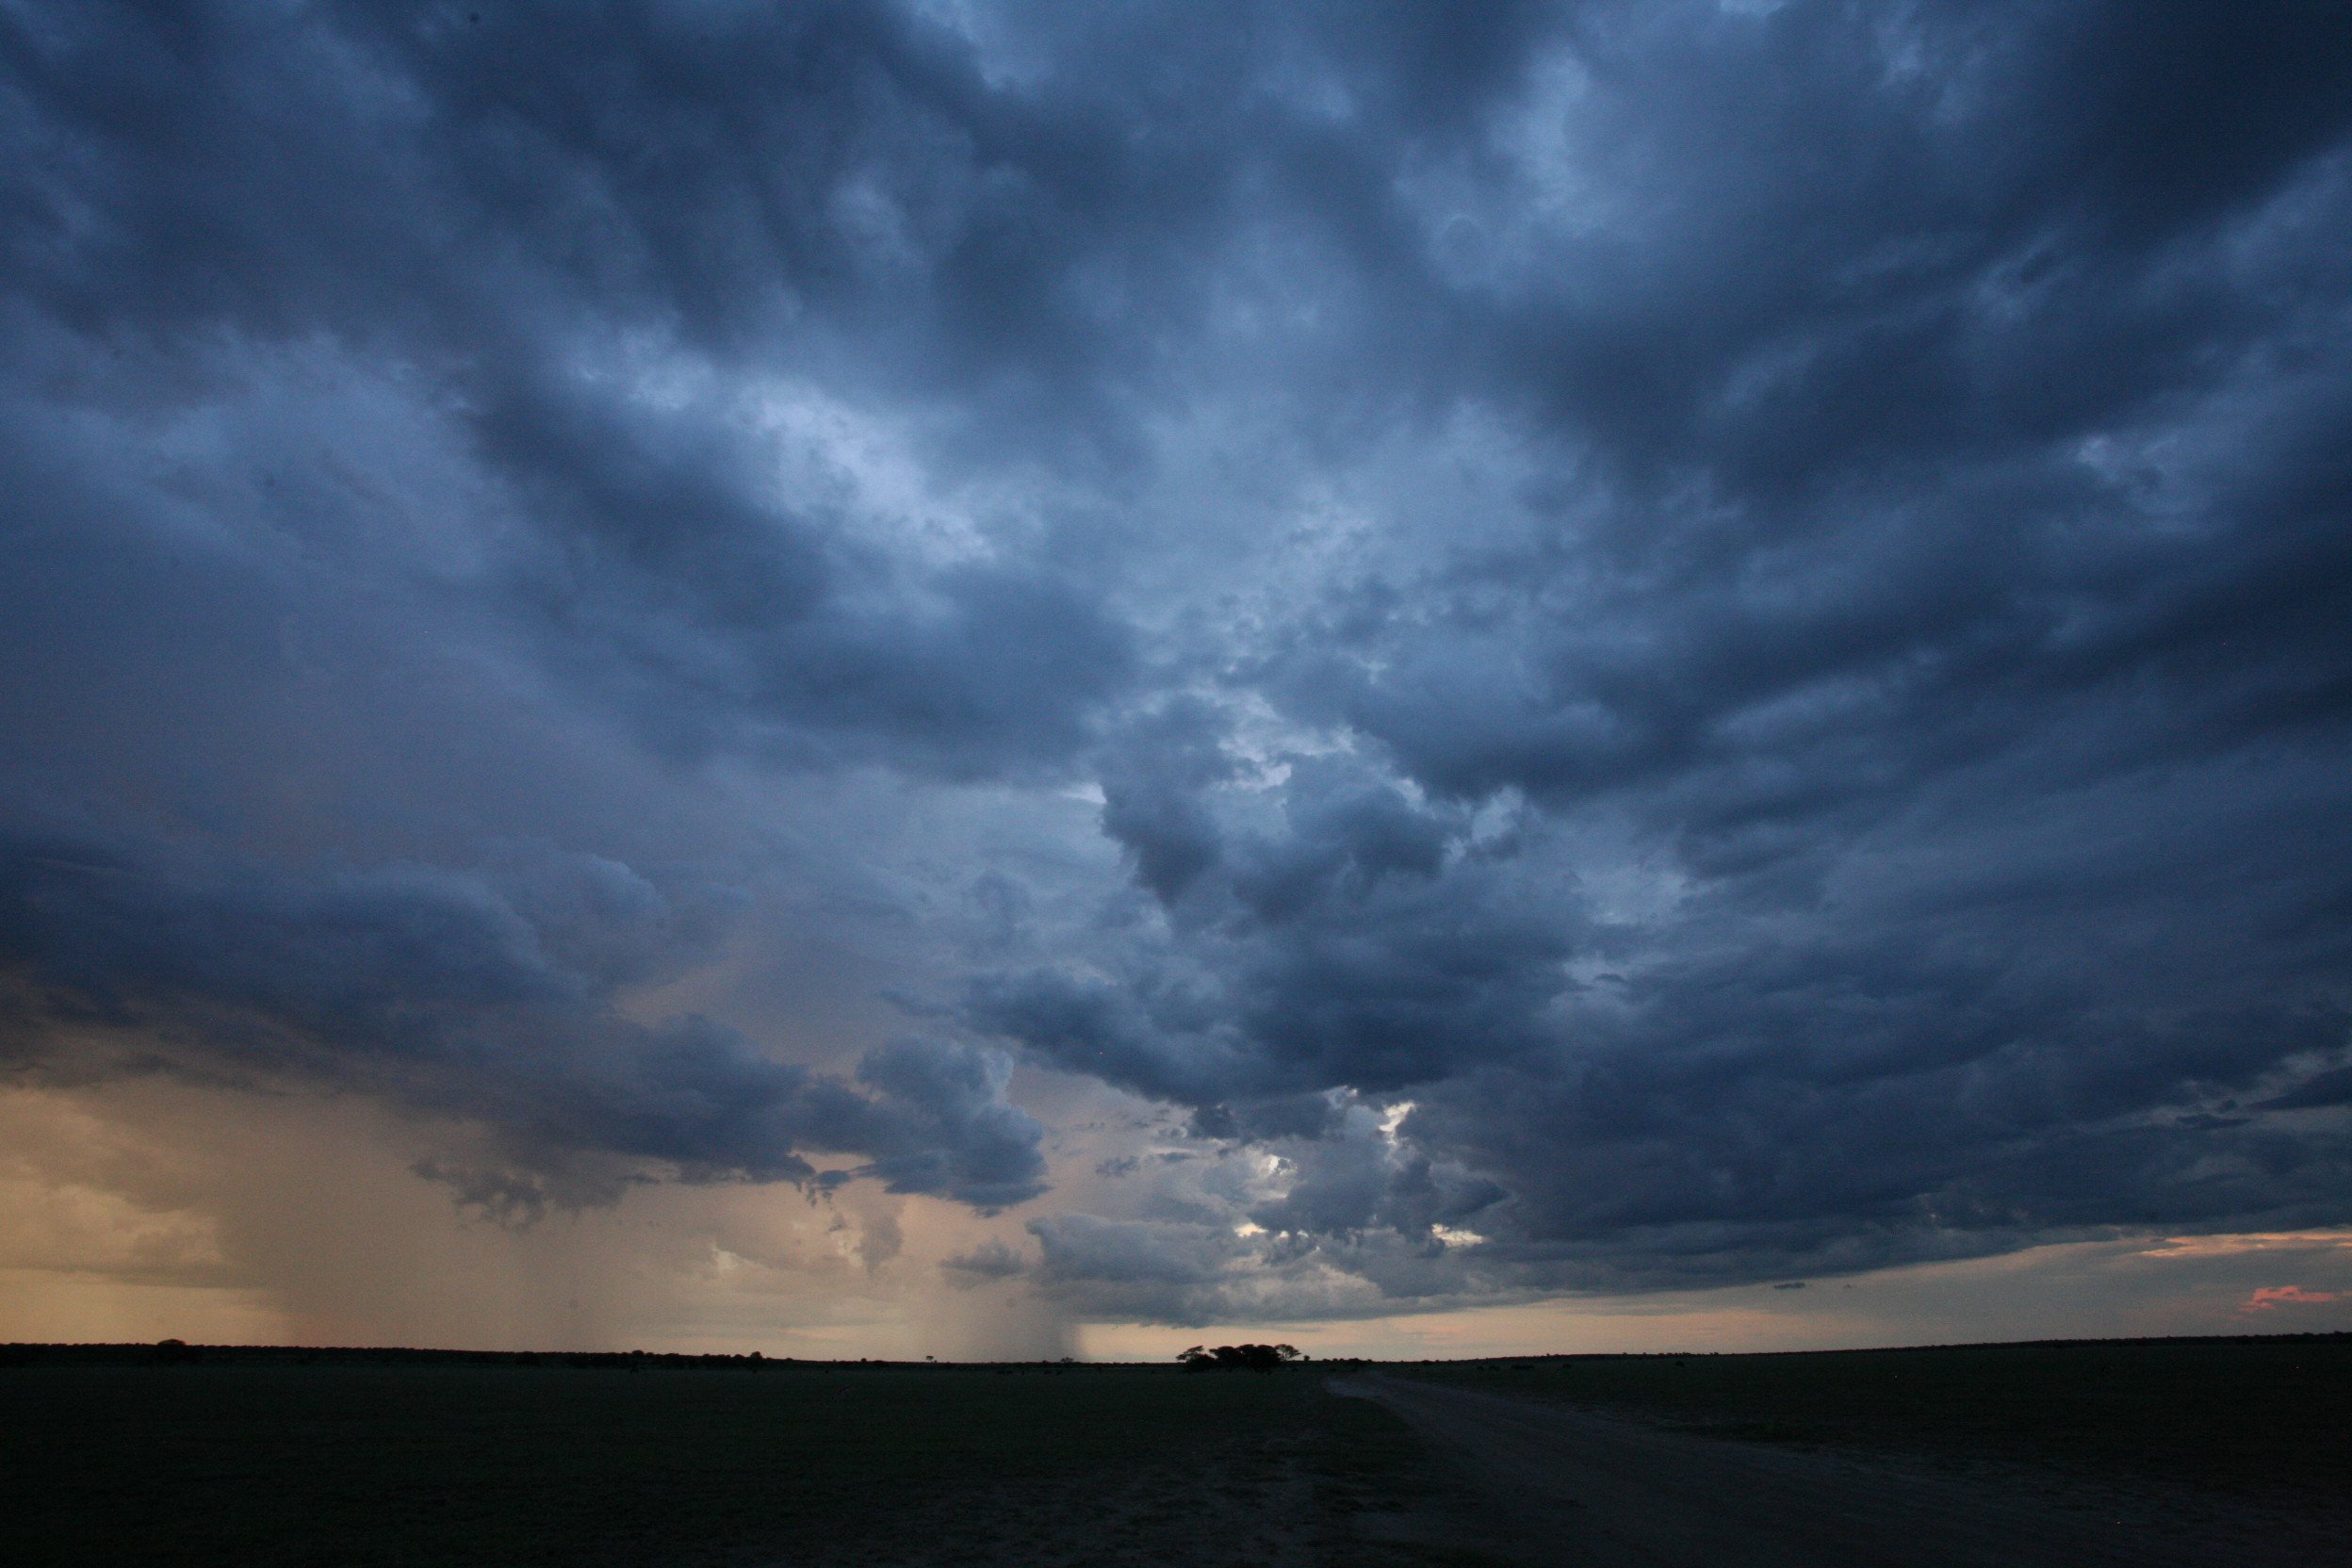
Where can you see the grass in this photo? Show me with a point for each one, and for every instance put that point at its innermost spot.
(270, 1463)
(2249, 1416)
(272, 1459)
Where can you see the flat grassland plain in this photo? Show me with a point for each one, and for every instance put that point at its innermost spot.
(266, 1458)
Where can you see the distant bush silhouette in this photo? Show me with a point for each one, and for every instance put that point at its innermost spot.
(1238, 1358)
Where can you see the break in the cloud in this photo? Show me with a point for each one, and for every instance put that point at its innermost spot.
(1608, 645)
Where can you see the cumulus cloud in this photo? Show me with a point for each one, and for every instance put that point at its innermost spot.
(1615, 645)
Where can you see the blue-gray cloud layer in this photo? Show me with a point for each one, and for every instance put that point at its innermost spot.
(486, 998)
(1745, 604)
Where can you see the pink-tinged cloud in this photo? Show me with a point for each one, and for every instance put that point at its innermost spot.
(2269, 1297)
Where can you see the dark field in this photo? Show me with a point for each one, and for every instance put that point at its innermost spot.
(267, 1463)
(268, 1458)
(2269, 1415)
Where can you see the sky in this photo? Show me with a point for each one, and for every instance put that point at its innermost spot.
(995, 679)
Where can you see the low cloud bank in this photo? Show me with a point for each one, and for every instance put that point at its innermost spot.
(490, 999)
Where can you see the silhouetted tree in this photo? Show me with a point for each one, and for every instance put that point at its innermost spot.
(1237, 1358)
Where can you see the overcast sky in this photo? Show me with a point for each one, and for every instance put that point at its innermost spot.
(990, 678)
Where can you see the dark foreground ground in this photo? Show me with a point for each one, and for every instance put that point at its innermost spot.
(267, 1463)
(2160, 1452)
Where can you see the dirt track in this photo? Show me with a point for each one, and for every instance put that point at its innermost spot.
(1553, 1484)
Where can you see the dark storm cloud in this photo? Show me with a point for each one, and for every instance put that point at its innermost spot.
(494, 206)
(1742, 603)
(1130, 1253)
(1944, 583)
(484, 997)
(722, 621)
